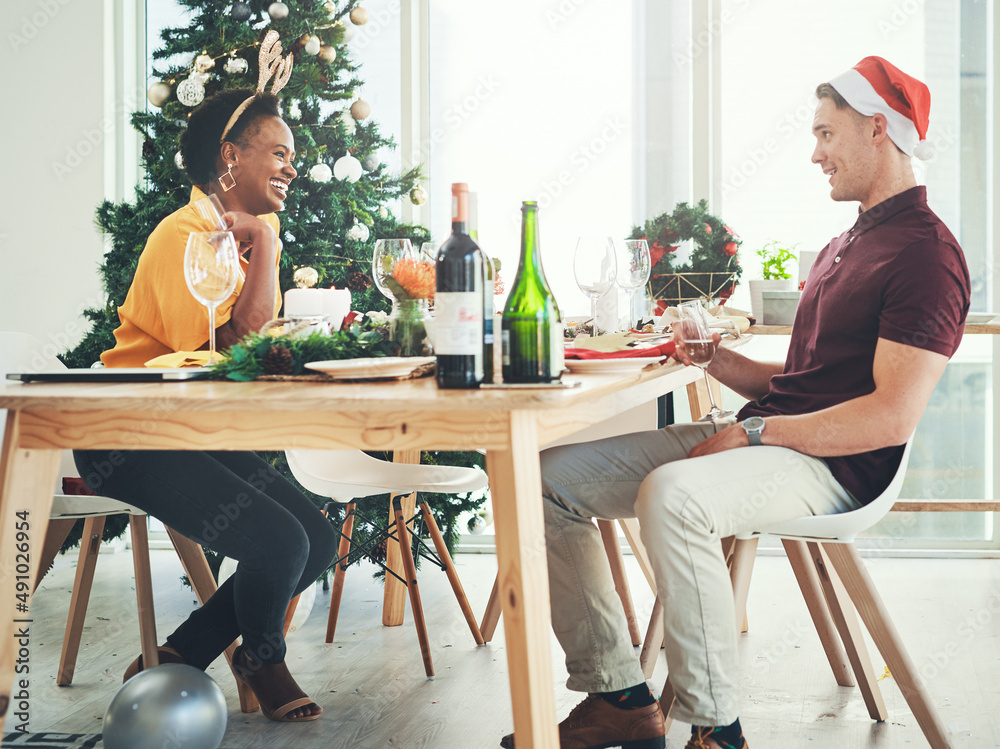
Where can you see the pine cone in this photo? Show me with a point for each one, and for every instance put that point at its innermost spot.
(278, 361)
(358, 281)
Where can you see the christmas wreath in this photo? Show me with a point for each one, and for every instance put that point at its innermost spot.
(712, 270)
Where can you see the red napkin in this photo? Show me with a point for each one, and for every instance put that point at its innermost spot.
(662, 351)
(75, 487)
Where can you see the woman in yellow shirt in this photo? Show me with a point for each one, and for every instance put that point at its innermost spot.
(233, 502)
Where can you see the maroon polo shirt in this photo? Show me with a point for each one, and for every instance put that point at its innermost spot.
(897, 274)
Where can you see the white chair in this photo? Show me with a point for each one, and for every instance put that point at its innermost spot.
(21, 352)
(835, 582)
(346, 475)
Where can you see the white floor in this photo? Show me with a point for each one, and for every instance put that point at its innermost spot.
(371, 684)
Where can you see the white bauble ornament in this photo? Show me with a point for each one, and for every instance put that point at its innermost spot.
(321, 173)
(359, 233)
(327, 53)
(203, 63)
(179, 160)
(359, 16)
(313, 46)
(191, 91)
(418, 196)
(360, 109)
(350, 125)
(236, 66)
(347, 167)
(277, 11)
(370, 163)
(383, 212)
(158, 93)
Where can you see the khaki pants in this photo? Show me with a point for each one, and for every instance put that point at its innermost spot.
(685, 507)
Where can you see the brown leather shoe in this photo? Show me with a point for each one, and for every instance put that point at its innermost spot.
(596, 724)
(702, 740)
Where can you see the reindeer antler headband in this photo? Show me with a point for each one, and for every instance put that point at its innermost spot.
(270, 64)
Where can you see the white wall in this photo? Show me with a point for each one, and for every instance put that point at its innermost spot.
(56, 130)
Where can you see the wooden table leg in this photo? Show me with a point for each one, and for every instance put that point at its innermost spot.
(27, 478)
(394, 596)
(524, 583)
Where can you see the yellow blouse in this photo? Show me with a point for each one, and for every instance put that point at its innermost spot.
(159, 315)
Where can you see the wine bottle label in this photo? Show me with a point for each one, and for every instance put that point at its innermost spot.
(505, 347)
(558, 358)
(458, 323)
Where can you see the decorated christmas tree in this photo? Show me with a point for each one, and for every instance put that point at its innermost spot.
(338, 204)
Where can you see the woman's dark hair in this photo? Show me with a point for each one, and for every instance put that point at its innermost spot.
(200, 141)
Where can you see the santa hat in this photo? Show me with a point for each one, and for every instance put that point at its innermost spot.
(876, 86)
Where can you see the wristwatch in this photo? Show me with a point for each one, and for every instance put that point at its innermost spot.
(753, 427)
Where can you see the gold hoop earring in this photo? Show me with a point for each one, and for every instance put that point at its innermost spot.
(229, 184)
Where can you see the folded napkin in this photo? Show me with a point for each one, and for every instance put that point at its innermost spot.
(662, 351)
(180, 359)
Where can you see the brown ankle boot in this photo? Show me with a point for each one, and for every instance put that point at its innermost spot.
(596, 724)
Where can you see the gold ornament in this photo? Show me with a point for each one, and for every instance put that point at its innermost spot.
(203, 63)
(330, 7)
(158, 93)
(360, 109)
(359, 16)
(418, 196)
(327, 53)
(305, 277)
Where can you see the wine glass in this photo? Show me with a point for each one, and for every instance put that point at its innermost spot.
(428, 251)
(595, 270)
(700, 347)
(633, 272)
(385, 254)
(211, 268)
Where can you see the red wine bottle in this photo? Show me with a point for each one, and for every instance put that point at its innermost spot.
(459, 332)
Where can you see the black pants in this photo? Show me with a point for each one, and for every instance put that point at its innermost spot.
(238, 505)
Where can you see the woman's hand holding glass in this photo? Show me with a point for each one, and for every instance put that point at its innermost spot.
(211, 269)
(696, 344)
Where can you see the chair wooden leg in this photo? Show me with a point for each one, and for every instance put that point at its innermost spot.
(812, 592)
(491, 616)
(203, 583)
(630, 527)
(859, 585)
(144, 590)
(610, 538)
(846, 621)
(410, 575)
(449, 568)
(667, 700)
(55, 535)
(337, 592)
(653, 641)
(90, 546)
(744, 552)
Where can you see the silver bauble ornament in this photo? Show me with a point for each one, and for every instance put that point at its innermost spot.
(171, 704)
(313, 46)
(241, 12)
(476, 525)
(321, 173)
(359, 233)
(359, 16)
(277, 11)
(327, 53)
(203, 63)
(179, 160)
(418, 196)
(158, 93)
(236, 66)
(360, 109)
(191, 91)
(347, 167)
(370, 162)
(344, 117)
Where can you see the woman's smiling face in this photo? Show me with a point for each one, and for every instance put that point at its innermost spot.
(264, 168)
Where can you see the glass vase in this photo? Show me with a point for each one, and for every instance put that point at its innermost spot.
(408, 323)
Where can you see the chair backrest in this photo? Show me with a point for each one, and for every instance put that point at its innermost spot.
(20, 352)
(844, 526)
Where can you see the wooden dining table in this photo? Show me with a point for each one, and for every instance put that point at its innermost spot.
(407, 415)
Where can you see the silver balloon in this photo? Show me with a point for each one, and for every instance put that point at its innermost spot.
(170, 705)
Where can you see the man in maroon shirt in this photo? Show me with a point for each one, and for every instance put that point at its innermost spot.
(881, 313)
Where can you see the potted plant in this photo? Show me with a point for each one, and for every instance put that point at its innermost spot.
(776, 275)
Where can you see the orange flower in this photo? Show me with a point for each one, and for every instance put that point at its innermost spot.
(415, 276)
(498, 284)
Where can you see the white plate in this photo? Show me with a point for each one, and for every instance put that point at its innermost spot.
(375, 368)
(604, 366)
(979, 318)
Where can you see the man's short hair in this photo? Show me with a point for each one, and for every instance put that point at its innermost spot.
(825, 90)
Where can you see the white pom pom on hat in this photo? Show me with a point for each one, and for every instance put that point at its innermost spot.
(876, 86)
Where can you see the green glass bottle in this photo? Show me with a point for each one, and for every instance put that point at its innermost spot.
(532, 331)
